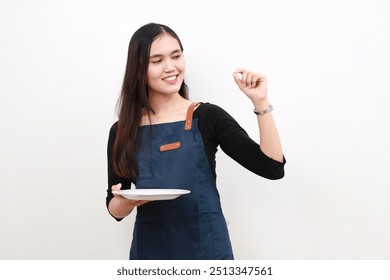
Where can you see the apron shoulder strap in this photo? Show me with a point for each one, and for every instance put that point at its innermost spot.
(190, 112)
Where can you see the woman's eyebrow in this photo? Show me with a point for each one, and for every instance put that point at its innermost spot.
(159, 55)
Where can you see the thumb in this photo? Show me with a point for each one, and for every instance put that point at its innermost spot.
(116, 187)
(237, 79)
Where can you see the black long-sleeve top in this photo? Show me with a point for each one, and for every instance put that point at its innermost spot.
(217, 128)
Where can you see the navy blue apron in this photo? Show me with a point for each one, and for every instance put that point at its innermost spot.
(192, 226)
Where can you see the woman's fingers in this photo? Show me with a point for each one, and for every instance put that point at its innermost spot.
(245, 78)
(133, 203)
(237, 79)
(116, 187)
(254, 85)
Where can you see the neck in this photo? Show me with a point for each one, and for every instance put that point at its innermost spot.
(167, 108)
(164, 103)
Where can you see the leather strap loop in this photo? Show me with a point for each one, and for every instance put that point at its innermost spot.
(170, 146)
(190, 112)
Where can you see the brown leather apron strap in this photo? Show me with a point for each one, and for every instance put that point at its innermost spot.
(190, 112)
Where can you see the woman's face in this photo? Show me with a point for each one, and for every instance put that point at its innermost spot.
(166, 67)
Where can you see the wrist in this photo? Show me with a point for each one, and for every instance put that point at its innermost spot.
(124, 203)
(263, 112)
(261, 105)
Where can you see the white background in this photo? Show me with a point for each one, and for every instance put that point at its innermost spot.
(327, 62)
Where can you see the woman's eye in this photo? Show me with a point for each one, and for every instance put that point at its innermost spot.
(176, 57)
(156, 61)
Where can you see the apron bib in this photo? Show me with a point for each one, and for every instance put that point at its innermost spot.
(192, 226)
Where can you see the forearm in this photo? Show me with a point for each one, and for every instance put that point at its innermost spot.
(119, 208)
(270, 143)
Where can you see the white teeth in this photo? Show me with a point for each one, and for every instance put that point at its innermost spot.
(171, 78)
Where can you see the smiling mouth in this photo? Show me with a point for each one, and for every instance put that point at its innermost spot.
(170, 78)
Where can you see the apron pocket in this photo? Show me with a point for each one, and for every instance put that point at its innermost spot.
(167, 241)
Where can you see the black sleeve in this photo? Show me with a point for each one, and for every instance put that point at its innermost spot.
(113, 179)
(219, 128)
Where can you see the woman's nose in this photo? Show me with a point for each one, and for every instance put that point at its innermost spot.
(169, 66)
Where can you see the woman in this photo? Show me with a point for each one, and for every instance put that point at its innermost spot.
(164, 140)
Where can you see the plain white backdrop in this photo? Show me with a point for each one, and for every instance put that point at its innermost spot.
(327, 62)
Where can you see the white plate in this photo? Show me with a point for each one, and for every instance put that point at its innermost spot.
(151, 194)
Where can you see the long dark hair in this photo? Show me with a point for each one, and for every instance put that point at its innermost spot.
(133, 101)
